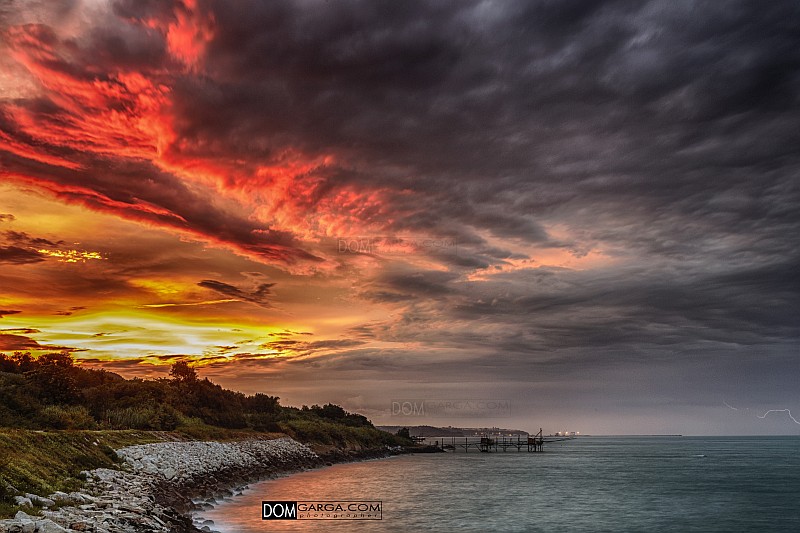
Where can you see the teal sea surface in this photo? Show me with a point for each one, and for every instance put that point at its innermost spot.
(708, 484)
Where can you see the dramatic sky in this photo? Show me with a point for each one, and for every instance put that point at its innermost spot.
(588, 209)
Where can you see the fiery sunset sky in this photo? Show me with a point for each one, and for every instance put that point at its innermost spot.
(587, 208)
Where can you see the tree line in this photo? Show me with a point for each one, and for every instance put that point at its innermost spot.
(52, 392)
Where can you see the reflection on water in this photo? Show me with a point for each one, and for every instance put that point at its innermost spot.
(591, 484)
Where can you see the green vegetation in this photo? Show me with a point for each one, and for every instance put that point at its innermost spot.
(98, 411)
(51, 392)
(42, 462)
(311, 429)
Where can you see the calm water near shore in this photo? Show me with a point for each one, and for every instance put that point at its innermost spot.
(589, 484)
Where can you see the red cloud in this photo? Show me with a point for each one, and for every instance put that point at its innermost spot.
(110, 137)
(120, 112)
(94, 137)
(188, 34)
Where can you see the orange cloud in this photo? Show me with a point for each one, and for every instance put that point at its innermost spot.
(23, 150)
(188, 31)
(188, 35)
(139, 210)
(119, 112)
(109, 136)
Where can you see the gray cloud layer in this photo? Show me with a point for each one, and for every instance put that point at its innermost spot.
(661, 133)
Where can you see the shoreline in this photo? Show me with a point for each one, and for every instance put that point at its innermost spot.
(227, 483)
(202, 505)
(162, 484)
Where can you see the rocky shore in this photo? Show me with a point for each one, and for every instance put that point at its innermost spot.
(161, 483)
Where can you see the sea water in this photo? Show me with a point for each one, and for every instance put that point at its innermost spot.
(588, 484)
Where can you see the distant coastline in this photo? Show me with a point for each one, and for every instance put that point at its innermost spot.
(451, 431)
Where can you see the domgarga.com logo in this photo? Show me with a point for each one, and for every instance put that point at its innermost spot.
(322, 510)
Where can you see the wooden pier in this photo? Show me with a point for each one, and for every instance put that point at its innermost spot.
(533, 443)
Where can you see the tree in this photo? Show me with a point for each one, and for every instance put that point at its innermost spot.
(263, 403)
(331, 412)
(181, 372)
(51, 374)
(403, 433)
(7, 364)
(23, 362)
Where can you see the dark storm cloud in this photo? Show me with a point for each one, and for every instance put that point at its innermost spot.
(258, 296)
(635, 308)
(19, 256)
(23, 248)
(661, 136)
(507, 116)
(120, 45)
(503, 117)
(546, 323)
(22, 343)
(22, 238)
(407, 286)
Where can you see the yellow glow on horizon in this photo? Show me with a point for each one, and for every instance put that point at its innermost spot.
(190, 304)
(161, 287)
(71, 256)
(125, 334)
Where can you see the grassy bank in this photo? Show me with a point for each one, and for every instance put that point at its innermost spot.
(338, 435)
(57, 419)
(42, 462)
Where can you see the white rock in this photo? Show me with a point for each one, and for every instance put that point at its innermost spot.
(48, 526)
(76, 497)
(22, 500)
(127, 497)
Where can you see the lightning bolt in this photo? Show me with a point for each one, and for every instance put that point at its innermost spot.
(780, 411)
(729, 405)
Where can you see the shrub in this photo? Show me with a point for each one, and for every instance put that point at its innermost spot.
(263, 422)
(66, 417)
(18, 403)
(159, 417)
(165, 418)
